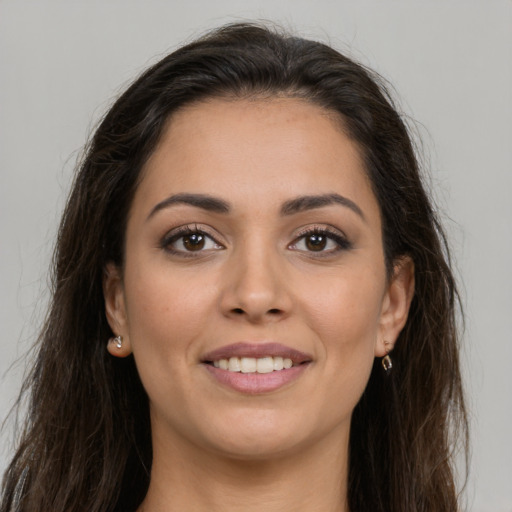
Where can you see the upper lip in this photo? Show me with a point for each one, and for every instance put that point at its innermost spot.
(256, 350)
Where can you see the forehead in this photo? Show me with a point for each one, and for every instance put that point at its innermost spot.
(259, 149)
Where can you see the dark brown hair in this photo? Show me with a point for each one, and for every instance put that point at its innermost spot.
(86, 442)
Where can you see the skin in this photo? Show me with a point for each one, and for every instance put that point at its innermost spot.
(256, 279)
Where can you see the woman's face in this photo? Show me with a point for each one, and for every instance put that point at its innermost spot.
(254, 242)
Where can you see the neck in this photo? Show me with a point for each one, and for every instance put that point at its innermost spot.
(183, 477)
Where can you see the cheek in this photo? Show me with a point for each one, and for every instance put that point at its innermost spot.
(345, 306)
(166, 313)
(165, 316)
(345, 315)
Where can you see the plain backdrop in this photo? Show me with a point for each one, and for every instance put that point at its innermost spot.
(62, 63)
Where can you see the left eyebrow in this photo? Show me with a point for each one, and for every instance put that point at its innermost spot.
(304, 203)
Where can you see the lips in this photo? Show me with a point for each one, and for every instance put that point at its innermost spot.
(257, 351)
(255, 368)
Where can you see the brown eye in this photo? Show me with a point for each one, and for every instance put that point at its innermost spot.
(194, 242)
(316, 242)
(187, 240)
(325, 242)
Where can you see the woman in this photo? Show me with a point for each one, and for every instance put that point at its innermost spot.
(249, 237)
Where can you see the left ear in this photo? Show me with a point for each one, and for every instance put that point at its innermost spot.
(395, 305)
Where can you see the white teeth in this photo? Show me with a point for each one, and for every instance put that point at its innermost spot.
(265, 365)
(278, 363)
(248, 364)
(252, 365)
(234, 364)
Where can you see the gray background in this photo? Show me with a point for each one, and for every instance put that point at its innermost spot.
(62, 62)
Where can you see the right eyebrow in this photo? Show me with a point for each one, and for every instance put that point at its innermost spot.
(203, 201)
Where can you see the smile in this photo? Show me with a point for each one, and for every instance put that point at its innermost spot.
(266, 364)
(255, 368)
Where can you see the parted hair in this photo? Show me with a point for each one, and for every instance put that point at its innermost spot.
(85, 444)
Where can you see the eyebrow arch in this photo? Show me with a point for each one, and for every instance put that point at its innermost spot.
(203, 201)
(304, 203)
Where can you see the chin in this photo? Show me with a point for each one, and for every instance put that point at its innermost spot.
(262, 435)
(257, 448)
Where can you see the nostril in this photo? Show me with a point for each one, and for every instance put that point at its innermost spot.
(241, 311)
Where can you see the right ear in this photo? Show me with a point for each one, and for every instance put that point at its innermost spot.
(115, 311)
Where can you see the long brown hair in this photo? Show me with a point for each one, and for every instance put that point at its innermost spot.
(86, 442)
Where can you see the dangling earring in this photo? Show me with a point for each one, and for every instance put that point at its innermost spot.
(118, 340)
(387, 363)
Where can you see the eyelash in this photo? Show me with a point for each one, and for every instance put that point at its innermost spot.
(330, 234)
(342, 243)
(180, 233)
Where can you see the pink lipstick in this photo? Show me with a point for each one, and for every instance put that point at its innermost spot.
(255, 368)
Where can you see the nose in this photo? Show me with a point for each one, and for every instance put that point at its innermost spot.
(255, 287)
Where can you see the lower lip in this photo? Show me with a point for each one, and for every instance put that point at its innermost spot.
(257, 383)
